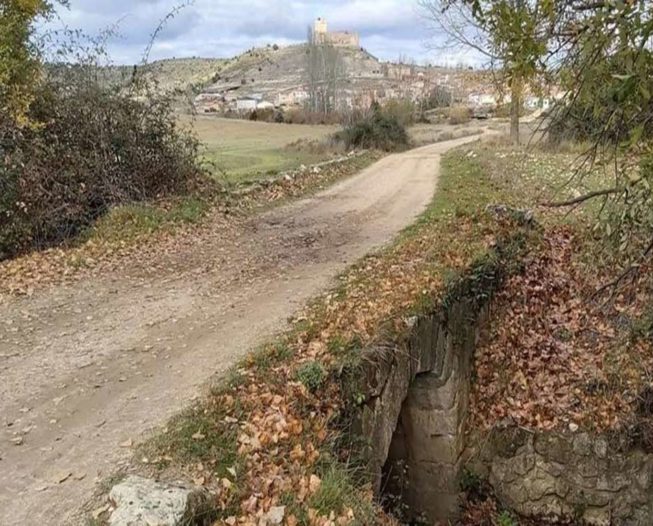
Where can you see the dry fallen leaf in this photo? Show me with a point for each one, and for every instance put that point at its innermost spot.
(314, 484)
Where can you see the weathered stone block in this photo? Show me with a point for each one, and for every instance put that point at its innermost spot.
(570, 475)
(143, 502)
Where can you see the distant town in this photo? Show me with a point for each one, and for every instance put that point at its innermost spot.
(275, 77)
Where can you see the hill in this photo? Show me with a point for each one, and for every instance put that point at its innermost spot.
(277, 76)
(175, 75)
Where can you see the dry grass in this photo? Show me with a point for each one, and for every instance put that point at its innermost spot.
(422, 134)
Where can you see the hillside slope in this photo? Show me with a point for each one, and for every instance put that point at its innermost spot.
(175, 75)
(268, 69)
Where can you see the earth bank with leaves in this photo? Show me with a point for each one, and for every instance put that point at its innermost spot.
(275, 435)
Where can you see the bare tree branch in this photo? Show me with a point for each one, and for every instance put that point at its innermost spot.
(583, 198)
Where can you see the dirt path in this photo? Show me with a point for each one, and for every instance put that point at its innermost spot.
(86, 368)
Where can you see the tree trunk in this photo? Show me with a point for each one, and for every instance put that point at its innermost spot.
(515, 107)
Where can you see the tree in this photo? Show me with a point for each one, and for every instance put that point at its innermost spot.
(19, 61)
(324, 72)
(439, 97)
(512, 34)
(604, 66)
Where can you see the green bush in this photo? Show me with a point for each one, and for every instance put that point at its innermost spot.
(377, 129)
(506, 519)
(87, 150)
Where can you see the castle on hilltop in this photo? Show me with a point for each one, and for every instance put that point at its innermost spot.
(322, 35)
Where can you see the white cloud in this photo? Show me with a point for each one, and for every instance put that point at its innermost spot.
(223, 28)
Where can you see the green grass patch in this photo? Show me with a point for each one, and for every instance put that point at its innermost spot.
(268, 357)
(247, 164)
(312, 375)
(199, 434)
(128, 222)
(338, 493)
(238, 151)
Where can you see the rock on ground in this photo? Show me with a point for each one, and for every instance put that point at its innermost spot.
(143, 502)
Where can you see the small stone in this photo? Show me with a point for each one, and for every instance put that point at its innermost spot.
(573, 427)
(99, 511)
(276, 515)
(17, 441)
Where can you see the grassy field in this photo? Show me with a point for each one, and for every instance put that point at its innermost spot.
(244, 150)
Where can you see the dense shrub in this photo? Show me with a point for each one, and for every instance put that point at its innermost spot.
(306, 116)
(375, 129)
(86, 150)
(439, 97)
(263, 115)
(580, 121)
(459, 115)
(403, 110)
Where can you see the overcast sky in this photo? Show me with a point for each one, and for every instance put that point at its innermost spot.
(224, 28)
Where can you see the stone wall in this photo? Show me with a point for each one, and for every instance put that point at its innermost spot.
(414, 415)
(343, 39)
(417, 392)
(573, 475)
(424, 460)
(417, 405)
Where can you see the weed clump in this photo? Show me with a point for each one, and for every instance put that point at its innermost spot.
(312, 375)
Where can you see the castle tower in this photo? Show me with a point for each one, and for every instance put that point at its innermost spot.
(320, 31)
